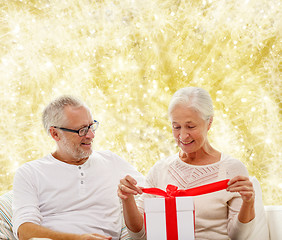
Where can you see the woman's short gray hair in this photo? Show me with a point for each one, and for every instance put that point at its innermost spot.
(53, 114)
(194, 97)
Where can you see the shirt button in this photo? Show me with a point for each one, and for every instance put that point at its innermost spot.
(82, 174)
(81, 182)
(79, 167)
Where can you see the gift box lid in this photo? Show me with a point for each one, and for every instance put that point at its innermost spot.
(158, 204)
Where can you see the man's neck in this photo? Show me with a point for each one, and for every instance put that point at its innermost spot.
(72, 161)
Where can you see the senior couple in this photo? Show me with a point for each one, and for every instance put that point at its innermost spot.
(78, 194)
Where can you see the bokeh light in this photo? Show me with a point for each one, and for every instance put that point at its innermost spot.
(126, 58)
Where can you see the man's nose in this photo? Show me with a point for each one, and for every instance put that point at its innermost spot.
(90, 133)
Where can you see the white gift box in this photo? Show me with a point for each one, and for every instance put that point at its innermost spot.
(156, 218)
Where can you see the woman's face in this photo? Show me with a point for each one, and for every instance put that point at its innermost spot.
(189, 129)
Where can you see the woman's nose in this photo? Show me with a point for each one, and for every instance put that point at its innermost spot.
(183, 134)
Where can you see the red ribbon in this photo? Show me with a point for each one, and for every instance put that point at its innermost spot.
(170, 203)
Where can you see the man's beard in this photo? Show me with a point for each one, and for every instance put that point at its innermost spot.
(75, 151)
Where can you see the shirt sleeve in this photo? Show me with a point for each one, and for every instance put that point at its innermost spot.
(25, 201)
(125, 168)
(140, 204)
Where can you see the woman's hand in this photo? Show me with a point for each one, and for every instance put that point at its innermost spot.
(127, 188)
(126, 191)
(244, 187)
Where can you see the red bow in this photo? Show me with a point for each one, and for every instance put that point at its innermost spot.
(170, 203)
(172, 191)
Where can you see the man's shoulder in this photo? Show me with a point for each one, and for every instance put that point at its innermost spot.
(36, 163)
(33, 167)
(115, 162)
(104, 154)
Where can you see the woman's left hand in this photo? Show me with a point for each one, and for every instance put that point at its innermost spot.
(244, 187)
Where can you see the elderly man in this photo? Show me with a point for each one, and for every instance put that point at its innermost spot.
(70, 193)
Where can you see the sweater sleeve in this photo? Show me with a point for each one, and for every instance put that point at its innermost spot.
(139, 235)
(236, 229)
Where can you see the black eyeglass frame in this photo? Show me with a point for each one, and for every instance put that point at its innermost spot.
(94, 126)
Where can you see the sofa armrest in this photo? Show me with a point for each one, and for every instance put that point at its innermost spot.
(274, 220)
(6, 231)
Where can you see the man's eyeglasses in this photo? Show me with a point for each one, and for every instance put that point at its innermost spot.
(82, 131)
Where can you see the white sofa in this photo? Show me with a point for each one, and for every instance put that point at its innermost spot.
(268, 218)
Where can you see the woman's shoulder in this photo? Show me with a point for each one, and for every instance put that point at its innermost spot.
(157, 175)
(165, 162)
(106, 156)
(161, 167)
(233, 166)
(226, 158)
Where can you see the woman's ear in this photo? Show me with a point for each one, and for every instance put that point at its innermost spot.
(210, 122)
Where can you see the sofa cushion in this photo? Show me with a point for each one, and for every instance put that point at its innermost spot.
(6, 231)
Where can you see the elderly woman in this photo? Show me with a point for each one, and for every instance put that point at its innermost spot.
(226, 214)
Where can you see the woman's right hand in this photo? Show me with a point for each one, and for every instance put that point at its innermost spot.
(128, 187)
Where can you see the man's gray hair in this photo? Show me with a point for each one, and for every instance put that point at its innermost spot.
(194, 97)
(53, 114)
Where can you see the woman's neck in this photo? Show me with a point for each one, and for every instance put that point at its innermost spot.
(203, 156)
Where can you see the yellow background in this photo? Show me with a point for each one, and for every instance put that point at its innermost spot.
(126, 59)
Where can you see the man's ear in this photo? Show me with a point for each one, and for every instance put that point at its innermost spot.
(210, 122)
(54, 134)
